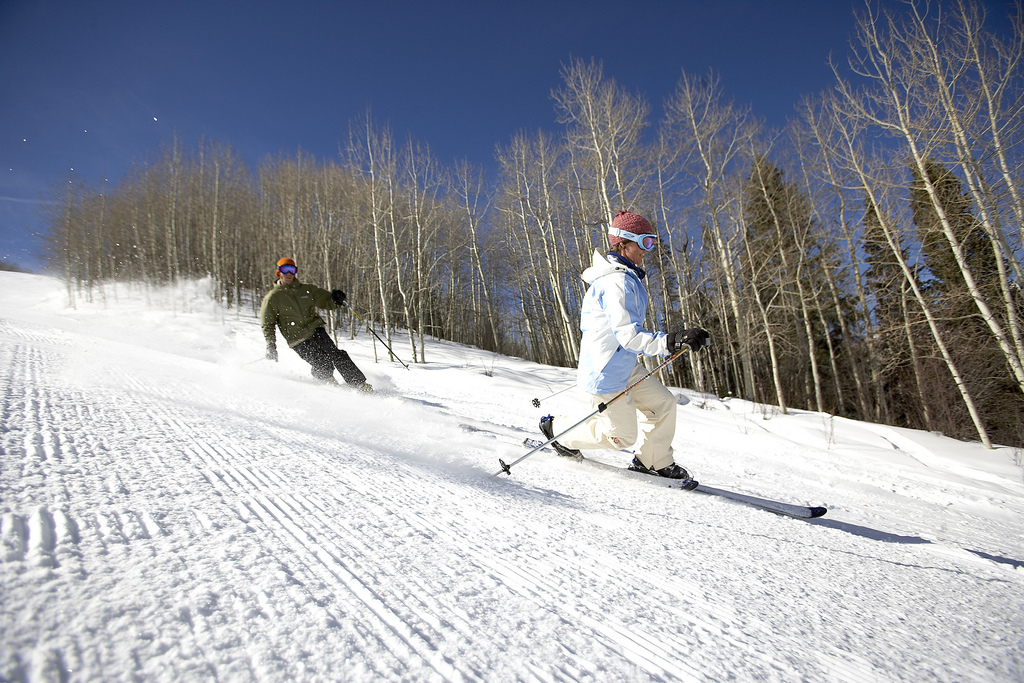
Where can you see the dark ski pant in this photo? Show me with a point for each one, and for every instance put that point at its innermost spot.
(321, 353)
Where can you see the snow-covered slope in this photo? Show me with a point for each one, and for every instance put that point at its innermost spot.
(175, 508)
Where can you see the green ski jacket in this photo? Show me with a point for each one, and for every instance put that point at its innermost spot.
(293, 309)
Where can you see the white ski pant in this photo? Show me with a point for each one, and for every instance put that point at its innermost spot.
(645, 418)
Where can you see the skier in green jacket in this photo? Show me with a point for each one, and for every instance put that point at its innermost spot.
(291, 306)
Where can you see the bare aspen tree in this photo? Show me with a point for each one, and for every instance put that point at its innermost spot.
(394, 225)
(528, 167)
(908, 320)
(371, 156)
(901, 103)
(758, 264)
(558, 251)
(604, 125)
(818, 129)
(789, 218)
(675, 258)
(997, 65)
(676, 242)
(60, 240)
(173, 160)
(468, 185)
(423, 182)
(869, 185)
(817, 271)
(586, 207)
(324, 218)
(970, 89)
(222, 186)
(713, 138)
(531, 292)
(214, 268)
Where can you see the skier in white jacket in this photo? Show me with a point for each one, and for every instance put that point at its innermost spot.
(612, 321)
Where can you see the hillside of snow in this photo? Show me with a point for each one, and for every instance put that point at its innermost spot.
(173, 507)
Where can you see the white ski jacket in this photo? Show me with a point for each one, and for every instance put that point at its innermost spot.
(612, 321)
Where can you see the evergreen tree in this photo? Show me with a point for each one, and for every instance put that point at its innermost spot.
(972, 345)
(786, 264)
(896, 323)
(947, 281)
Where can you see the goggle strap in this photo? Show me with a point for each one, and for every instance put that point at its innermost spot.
(633, 237)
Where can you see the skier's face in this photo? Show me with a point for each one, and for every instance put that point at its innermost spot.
(633, 252)
(286, 277)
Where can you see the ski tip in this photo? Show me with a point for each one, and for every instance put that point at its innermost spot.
(818, 512)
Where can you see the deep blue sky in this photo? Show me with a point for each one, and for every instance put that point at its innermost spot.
(88, 86)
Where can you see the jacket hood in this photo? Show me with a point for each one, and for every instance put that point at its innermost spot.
(601, 266)
(605, 265)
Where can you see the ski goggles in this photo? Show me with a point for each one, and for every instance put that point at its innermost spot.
(288, 269)
(646, 241)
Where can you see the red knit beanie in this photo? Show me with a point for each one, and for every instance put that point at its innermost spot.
(629, 222)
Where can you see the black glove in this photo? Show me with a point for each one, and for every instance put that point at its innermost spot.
(272, 351)
(338, 297)
(695, 338)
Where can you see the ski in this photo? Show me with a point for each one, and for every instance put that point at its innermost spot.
(778, 507)
(683, 484)
(775, 506)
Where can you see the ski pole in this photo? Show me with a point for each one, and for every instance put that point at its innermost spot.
(507, 469)
(536, 401)
(374, 333)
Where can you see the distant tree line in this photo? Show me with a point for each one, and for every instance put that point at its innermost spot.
(865, 261)
(12, 267)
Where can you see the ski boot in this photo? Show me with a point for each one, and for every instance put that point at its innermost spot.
(548, 430)
(673, 471)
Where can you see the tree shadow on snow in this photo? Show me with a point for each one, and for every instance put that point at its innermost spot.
(886, 537)
(1016, 564)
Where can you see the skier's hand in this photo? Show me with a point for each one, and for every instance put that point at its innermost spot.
(338, 297)
(695, 338)
(272, 352)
